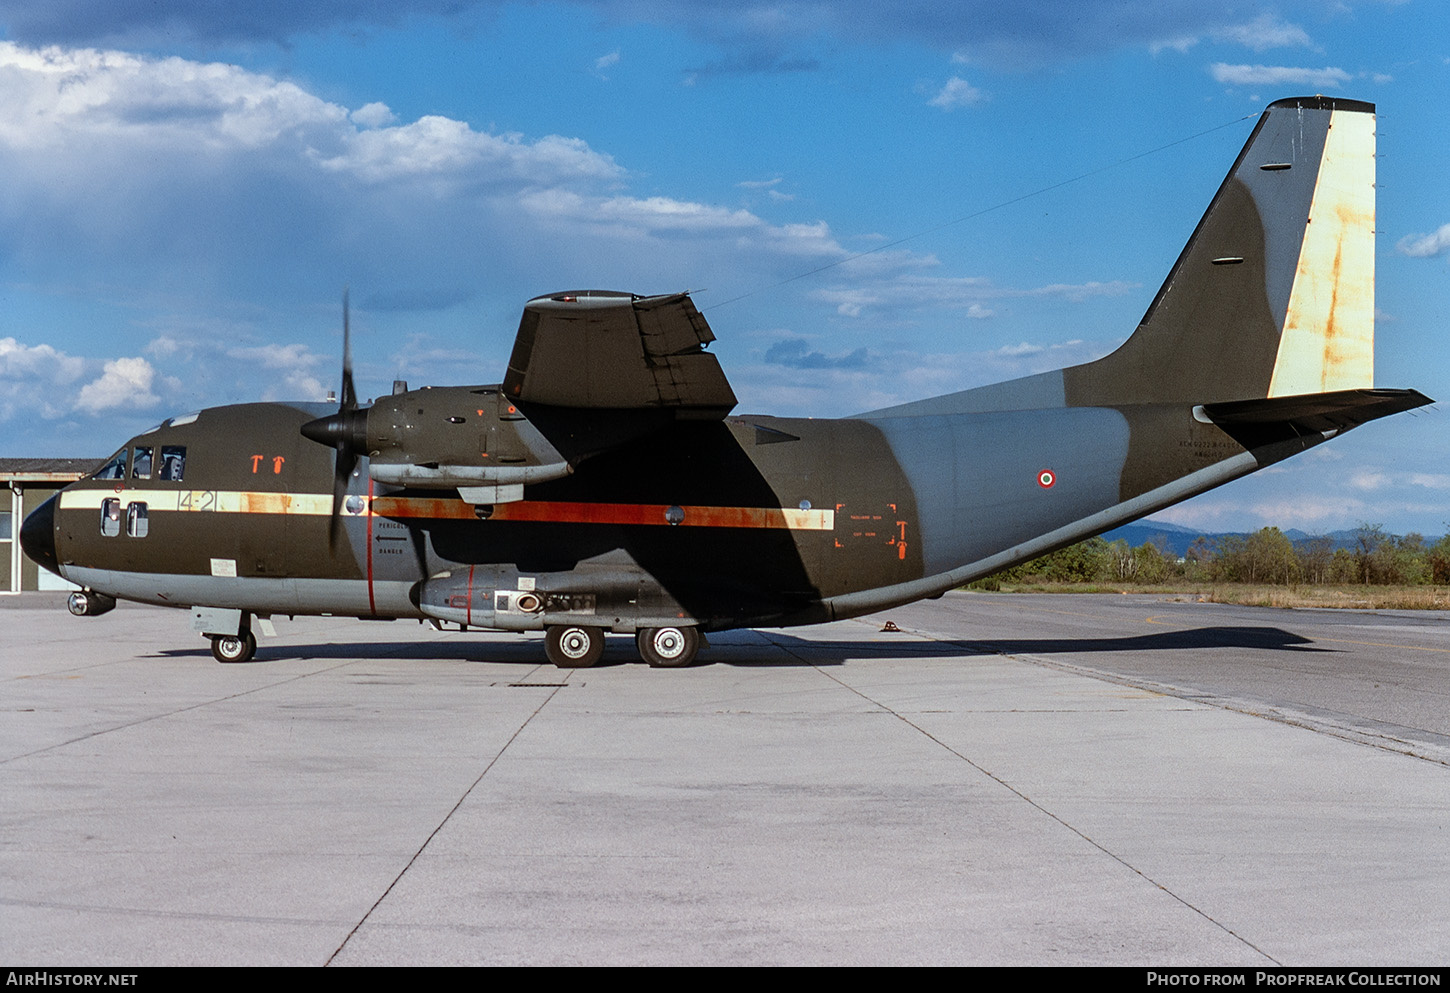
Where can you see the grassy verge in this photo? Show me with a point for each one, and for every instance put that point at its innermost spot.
(1250, 594)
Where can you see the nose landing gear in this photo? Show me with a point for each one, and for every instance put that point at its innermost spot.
(233, 648)
(89, 603)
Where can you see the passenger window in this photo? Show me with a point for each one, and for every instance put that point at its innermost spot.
(173, 462)
(137, 522)
(111, 516)
(113, 469)
(141, 463)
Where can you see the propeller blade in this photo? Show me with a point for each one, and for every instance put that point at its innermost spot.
(348, 394)
(341, 476)
(345, 432)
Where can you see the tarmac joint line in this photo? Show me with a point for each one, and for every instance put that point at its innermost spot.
(1036, 805)
(446, 817)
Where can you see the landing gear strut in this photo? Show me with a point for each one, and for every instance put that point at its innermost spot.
(668, 648)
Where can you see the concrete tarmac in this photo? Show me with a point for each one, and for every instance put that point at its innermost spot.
(1056, 780)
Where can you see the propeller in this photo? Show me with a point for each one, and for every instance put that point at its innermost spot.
(344, 431)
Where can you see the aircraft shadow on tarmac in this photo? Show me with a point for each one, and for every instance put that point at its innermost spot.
(784, 650)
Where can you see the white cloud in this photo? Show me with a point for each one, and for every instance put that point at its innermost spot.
(41, 362)
(289, 368)
(1258, 75)
(124, 385)
(373, 115)
(957, 93)
(1371, 480)
(1264, 32)
(35, 380)
(1422, 246)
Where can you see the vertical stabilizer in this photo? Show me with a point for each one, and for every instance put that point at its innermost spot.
(1274, 293)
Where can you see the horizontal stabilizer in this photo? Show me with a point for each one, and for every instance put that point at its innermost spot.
(1254, 423)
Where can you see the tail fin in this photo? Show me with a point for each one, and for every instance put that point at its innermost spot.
(1274, 293)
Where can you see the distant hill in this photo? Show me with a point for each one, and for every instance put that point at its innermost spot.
(1177, 538)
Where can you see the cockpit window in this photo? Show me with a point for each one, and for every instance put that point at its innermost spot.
(115, 468)
(141, 463)
(173, 462)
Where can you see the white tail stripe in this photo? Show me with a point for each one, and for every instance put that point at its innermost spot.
(1328, 339)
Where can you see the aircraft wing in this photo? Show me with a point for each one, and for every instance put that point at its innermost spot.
(617, 351)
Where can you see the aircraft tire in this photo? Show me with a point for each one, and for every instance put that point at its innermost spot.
(668, 648)
(572, 646)
(231, 648)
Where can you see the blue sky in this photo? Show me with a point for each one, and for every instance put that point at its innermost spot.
(188, 186)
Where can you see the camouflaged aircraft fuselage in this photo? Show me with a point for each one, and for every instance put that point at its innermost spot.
(606, 485)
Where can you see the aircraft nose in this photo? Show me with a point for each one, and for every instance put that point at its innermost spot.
(37, 536)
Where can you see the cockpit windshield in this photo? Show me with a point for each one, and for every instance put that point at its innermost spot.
(115, 467)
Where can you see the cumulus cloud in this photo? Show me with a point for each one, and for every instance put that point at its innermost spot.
(1259, 75)
(957, 93)
(173, 177)
(1422, 246)
(289, 370)
(36, 380)
(124, 385)
(44, 362)
(1266, 31)
(373, 115)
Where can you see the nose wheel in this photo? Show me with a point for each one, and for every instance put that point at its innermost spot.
(668, 648)
(233, 648)
(88, 603)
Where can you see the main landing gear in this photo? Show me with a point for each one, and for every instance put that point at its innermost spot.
(571, 646)
(668, 648)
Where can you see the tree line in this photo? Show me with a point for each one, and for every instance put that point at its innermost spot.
(1267, 556)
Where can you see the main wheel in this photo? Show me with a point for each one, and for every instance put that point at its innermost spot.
(78, 603)
(232, 648)
(569, 646)
(668, 648)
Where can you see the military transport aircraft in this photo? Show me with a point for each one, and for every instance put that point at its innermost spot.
(605, 485)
